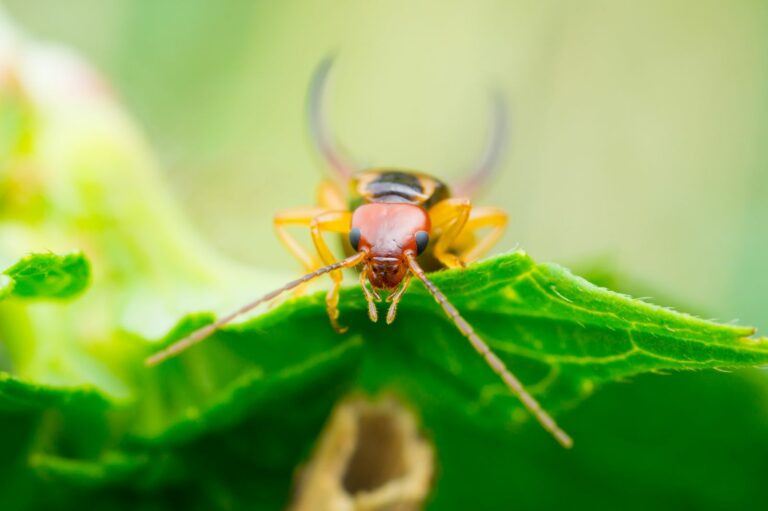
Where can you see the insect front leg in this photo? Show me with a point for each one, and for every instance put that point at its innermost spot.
(329, 198)
(336, 222)
(302, 217)
(471, 247)
(448, 219)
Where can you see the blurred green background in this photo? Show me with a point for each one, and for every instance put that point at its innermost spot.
(639, 129)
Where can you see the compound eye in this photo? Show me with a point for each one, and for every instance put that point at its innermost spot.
(354, 238)
(422, 240)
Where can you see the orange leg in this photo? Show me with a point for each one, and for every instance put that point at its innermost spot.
(329, 198)
(455, 223)
(338, 222)
(482, 218)
(448, 218)
(329, 217)
(318, 220)
(303, 217)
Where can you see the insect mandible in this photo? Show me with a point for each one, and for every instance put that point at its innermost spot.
(398, 223)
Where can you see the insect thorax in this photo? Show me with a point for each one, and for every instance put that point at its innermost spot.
(391, 185)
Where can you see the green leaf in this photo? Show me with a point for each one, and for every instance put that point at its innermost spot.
(19, 395)
(38, 418)
(47, 276)
(237, 373)
(693, 440)
(560, 334)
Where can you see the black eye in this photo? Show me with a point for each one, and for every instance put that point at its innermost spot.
(354, 238)
(422, 240)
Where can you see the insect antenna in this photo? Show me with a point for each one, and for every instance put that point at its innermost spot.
(318, 122)
(489, 160)
(204, 332)
(493, 361)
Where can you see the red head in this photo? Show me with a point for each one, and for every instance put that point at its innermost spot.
(385, 231)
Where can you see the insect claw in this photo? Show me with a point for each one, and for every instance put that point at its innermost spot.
(453, 261)
(335, 324)
(458, 262)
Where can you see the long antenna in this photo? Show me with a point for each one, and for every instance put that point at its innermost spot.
(201, 334)
(318, 122)
(493, 361)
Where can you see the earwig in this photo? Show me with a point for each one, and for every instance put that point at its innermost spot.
(398, 224)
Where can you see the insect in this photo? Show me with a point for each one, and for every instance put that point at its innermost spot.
(398, 223)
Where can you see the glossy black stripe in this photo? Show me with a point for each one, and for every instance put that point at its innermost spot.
(395, 183)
